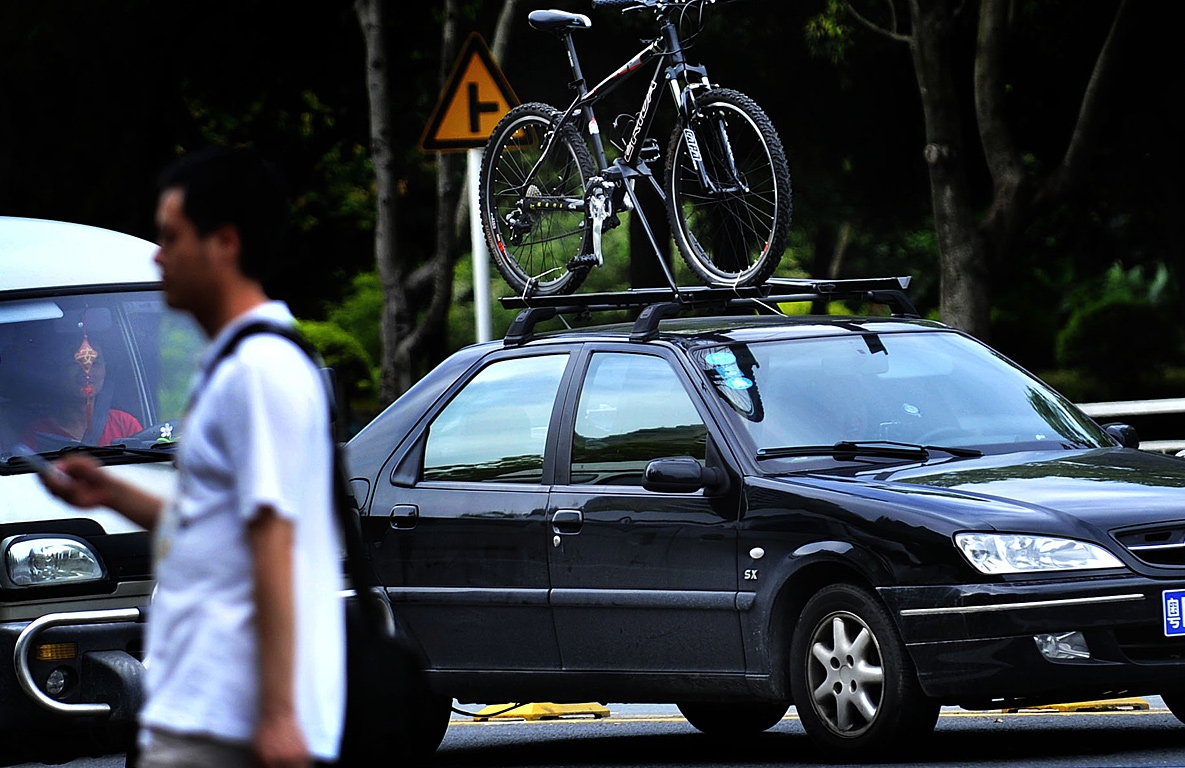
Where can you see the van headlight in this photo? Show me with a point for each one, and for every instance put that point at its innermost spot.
(1000, 553)
(32, 560)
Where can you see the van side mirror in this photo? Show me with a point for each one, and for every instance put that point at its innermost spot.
(1124, 434)
(682, 474)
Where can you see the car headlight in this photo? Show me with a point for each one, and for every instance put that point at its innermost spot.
(999, 553)
(34, 560)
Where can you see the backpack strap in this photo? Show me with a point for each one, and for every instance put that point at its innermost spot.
(357, 565)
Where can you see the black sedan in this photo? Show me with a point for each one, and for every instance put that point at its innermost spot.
(868, 517)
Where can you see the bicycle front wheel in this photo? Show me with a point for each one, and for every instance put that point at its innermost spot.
(531, 196)
(728, 191)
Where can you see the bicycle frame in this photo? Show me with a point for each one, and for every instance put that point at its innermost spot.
(614, 183)
(672, 67)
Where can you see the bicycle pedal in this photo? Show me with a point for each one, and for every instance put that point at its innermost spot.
(583, 261)
(649, 151)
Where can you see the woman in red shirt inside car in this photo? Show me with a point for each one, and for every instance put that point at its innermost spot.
(80, 373)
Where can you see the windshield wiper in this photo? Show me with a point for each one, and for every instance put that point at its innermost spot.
(845, 450)
(101, 452)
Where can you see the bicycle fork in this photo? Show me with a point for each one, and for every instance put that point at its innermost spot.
(728, 181)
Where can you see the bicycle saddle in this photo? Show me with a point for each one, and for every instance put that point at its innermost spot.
(558, 21)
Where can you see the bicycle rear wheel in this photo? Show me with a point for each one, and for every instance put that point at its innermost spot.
(532, 201)
(732, 220)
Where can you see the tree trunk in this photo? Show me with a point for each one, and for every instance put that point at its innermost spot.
(430, 339)
(969, 251)
(964, 287)
(396, 315)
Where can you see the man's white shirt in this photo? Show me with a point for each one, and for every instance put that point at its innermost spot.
(256, 436)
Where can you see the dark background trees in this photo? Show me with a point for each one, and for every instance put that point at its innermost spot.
(96, 98)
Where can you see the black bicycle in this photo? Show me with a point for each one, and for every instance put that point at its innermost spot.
(545, 204)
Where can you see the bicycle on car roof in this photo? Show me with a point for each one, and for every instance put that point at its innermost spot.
(546, 200)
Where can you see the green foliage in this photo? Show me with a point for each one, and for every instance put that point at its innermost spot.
(1134, 284)
(356, 374)
(613, 276)
(360, 312)
(179, 347)
(344, 174)
(826, 33)
(1120, 336)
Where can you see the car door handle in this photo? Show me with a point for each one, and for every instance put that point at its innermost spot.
(567, 521)
(404, 516)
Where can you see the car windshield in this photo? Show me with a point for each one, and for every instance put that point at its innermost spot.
(935, 388)
(98, 369)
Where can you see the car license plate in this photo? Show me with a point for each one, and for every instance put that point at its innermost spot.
(1174, 612)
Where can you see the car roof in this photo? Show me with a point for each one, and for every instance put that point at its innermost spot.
(36, 254)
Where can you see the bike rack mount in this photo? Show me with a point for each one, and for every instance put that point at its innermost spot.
(655, 304)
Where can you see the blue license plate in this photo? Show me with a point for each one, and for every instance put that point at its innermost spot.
(1174, 612)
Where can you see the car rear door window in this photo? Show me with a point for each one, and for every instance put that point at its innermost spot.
(632, 409)
(495, 429)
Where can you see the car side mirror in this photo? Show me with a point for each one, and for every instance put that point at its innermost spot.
(1124, 434)
(682, 474)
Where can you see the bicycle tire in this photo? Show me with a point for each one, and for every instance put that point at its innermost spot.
(532, 230)
(733, 235)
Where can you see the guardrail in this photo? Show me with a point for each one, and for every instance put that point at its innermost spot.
(1119, 408)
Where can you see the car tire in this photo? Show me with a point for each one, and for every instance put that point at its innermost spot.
(429, 719)
(733, 718)
(1176, 704)
(853, 682)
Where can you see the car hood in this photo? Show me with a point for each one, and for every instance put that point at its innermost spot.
(24, 500)
(1106, 488)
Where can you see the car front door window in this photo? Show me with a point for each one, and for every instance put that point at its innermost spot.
(633, 409)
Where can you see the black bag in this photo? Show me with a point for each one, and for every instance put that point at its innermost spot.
(383, 676)
(383, 673)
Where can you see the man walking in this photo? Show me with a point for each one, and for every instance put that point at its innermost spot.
(245, 643)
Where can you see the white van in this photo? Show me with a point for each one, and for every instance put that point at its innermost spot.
(91, 360)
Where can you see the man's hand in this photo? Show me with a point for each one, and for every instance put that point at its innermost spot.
(83, 482)
(80, 481)
(279, 742)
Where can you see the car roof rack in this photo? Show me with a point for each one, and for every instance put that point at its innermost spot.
(655, 304)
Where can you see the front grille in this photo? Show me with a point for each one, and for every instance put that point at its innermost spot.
(1162, 545)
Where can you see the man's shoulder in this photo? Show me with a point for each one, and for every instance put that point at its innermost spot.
(268, 353)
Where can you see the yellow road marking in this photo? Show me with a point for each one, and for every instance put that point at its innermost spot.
(792, 717)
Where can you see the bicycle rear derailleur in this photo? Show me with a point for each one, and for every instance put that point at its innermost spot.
(599, 211)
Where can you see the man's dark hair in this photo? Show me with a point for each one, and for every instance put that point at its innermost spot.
(236, 187)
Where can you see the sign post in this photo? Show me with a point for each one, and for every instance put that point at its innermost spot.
(476, 97)
(481, 261)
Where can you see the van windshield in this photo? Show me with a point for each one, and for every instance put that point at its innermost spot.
(94, 369)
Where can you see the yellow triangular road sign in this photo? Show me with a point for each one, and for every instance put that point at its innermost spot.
(475, 99)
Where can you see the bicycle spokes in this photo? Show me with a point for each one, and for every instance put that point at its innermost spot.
(729, 197)
(532, 196)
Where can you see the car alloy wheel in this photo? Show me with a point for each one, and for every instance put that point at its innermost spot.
(845, 675)
(853, 682)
